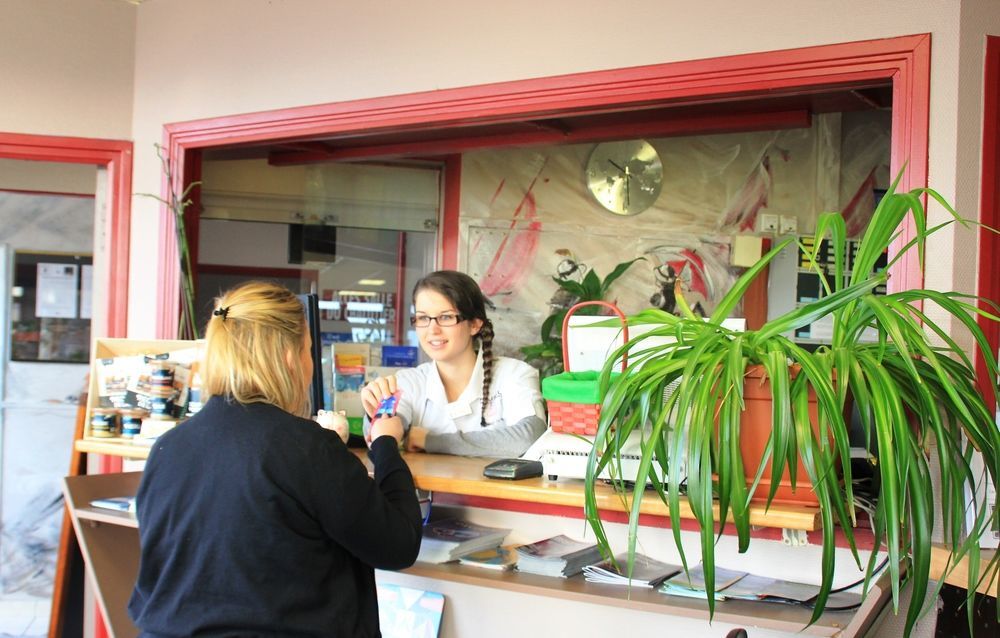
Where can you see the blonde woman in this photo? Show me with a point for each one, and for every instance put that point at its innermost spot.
(253, 519)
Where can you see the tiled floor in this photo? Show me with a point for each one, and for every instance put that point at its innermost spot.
(24, 616)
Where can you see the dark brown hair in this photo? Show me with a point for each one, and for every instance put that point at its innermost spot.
(470, 302)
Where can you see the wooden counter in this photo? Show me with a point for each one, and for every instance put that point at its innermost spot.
(110, 542)
(464, 476)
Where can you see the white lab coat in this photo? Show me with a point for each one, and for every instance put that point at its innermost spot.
(515, 395)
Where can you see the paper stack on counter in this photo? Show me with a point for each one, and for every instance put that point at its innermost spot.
(557, 556)
(446, 540)
(646, 572)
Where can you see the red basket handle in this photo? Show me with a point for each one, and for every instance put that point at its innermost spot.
(565, 328)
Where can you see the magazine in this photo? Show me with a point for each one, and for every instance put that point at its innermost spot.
(500, 558)
(448, 539)
(692, 584)
(116, 503)
(646, 572)
(557, 556)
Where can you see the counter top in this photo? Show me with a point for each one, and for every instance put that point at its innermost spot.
(464, 476)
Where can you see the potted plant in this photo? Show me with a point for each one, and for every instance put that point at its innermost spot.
(912, 385)
(547, 355)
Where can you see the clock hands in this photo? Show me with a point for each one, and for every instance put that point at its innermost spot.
(627, 183)
(625, 172)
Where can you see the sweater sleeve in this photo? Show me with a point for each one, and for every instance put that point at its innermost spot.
(497, 441)
(378, 520)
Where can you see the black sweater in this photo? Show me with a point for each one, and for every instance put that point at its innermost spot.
(254, 522)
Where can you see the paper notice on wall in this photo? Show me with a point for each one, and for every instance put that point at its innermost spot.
(55, 290)
(86, 281)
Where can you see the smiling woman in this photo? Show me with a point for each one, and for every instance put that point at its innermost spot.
(465, 400)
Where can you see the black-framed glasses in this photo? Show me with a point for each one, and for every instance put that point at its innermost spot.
(444, 320)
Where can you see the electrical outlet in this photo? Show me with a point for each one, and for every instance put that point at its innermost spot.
(768, 223)
(788, 225)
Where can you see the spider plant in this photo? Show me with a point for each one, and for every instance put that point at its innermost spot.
(913, 385)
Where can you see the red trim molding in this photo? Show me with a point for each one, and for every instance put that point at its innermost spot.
(989, 243)
(675, 126)
(905, 61)
(448, 234)
(116, 157)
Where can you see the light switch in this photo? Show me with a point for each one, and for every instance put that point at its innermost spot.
(788, 225)
(768, 223)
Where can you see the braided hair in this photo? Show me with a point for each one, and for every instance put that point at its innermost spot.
(470, 302)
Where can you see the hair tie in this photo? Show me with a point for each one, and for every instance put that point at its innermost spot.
(221, 312)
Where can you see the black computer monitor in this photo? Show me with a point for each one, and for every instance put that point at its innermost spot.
(310, 302)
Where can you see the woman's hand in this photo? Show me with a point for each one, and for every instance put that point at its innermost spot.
(373, 393)
(392, 426)
(416, 439)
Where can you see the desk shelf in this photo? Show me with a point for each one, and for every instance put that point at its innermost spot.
(109, 542)
(773, 616)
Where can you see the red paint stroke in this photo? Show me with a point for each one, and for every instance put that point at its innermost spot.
(743, 209)
(513, 259)
(858, 211)
(696, 266)
(496, 193)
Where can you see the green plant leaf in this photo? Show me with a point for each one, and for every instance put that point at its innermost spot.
(617, 272)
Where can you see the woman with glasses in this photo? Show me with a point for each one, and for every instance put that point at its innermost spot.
(464, 401)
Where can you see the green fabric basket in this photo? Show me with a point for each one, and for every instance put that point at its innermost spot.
(574, 387)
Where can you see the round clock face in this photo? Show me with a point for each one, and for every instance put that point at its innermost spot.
(625, 177)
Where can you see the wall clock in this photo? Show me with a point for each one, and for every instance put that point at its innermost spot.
(625, 177)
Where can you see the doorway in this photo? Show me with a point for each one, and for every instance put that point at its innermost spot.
(111, 162)
(47, 217)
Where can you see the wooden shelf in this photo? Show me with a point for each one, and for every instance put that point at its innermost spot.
(98, 515)
(959, 575)
(772, 616)
(464, 476)
(109, 542)
(112, 447)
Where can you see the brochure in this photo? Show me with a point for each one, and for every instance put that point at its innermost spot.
(646, 572)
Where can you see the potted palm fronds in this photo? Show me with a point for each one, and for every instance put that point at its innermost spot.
(913, 385)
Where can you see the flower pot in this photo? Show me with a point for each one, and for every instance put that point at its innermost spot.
(755, 428)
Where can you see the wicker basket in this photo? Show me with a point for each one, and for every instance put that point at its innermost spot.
(573, 398)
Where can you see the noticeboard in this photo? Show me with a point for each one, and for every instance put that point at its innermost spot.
(50, 307)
